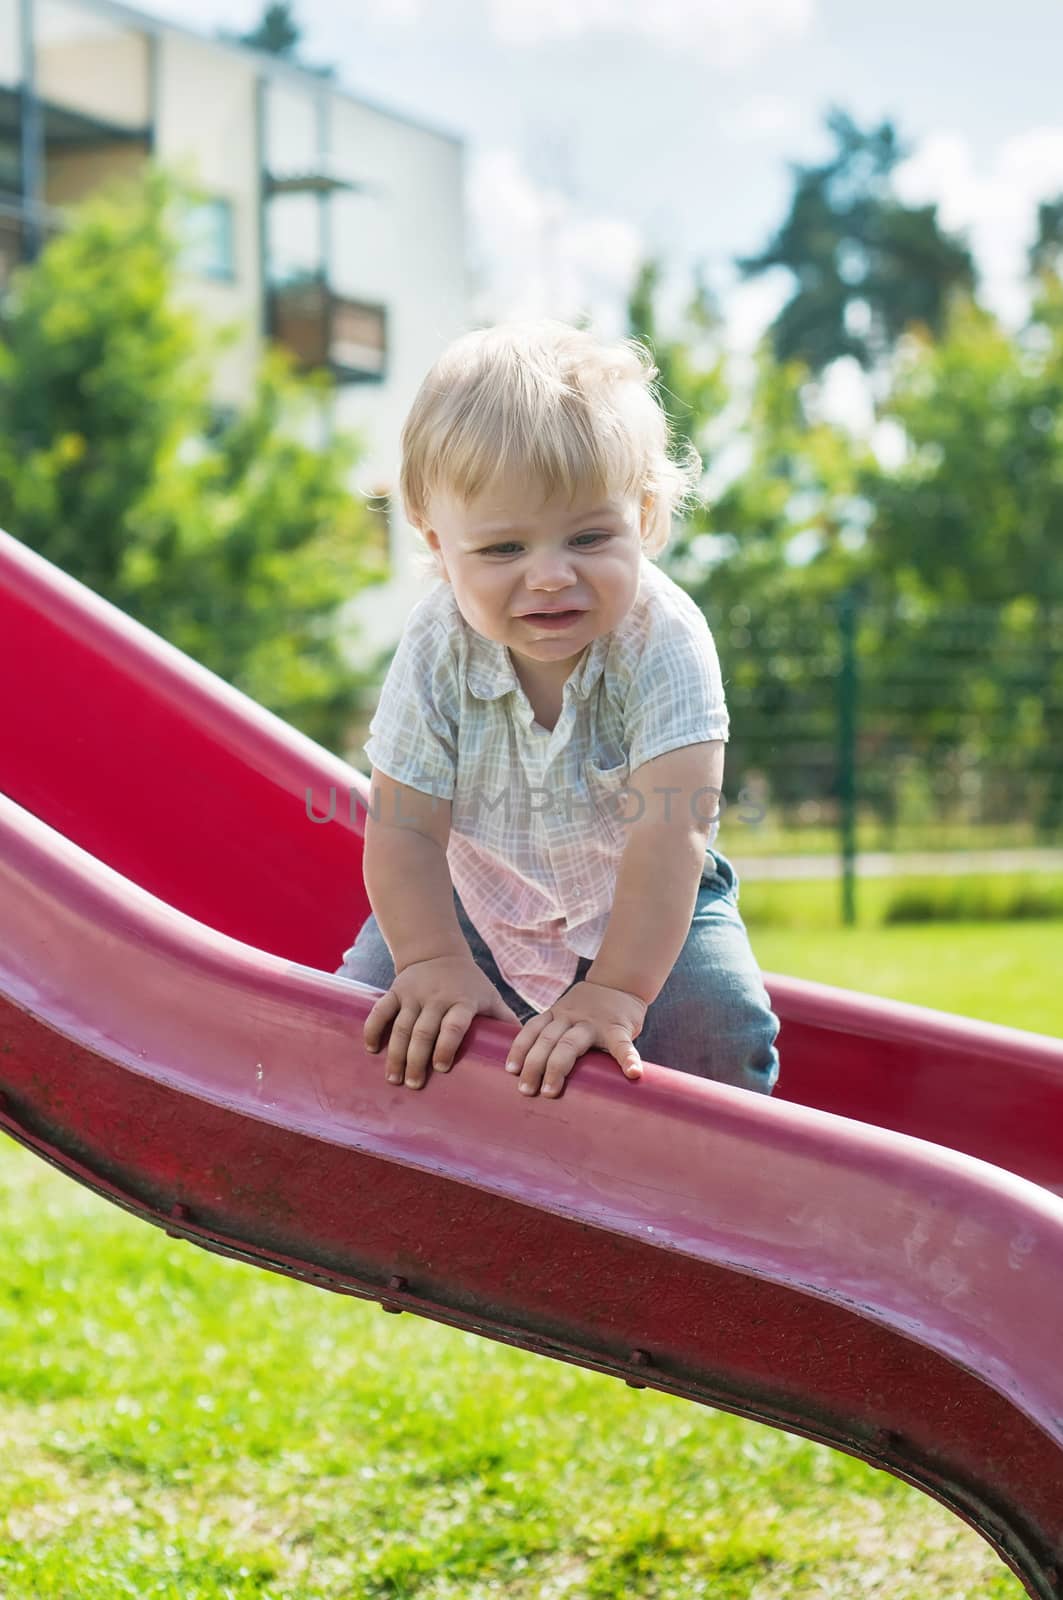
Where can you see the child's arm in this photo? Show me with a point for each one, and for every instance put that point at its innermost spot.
(406, 873)
(437, 988)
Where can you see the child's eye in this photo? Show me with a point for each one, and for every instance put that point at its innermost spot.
(501, 549)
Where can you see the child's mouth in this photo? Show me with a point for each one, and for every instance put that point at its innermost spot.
(551, 619)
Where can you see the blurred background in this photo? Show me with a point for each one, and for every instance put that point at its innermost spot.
(233, 238)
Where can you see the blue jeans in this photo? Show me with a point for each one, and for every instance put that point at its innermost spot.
(713, 1016)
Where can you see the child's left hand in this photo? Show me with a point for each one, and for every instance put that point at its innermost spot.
(586, 1017)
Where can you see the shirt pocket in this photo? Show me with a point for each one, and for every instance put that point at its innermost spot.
(606, 787)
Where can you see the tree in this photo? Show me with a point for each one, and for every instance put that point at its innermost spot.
(972, 517)
(866, 266)
(974, 511)
(785, 538)
(954, 551)
(230, 537)
(276, 30)
(277, 33)
(691, 383)
(1046, 252)
(733, 556)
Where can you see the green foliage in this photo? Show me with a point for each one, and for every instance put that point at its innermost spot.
(971, 519)
(858, 255)
(766, 561)
(1046, 252)
(967, 517)
(276, 30)
(278, 34)
(792, 515)
(974, 898)
(235, 540)
(692, 383)
(973, 514)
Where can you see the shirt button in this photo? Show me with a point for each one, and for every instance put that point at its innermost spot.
(577, 888)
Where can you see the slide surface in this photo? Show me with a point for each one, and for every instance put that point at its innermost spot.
(872, 1258)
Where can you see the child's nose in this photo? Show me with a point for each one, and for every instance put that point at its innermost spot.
(550, 570)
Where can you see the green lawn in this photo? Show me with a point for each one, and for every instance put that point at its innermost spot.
(996, 970)
(995, 974)
(182, 1426)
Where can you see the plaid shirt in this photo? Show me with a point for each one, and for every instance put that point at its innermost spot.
(537, 829)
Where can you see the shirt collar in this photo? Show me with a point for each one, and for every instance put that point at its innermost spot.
(490, 672)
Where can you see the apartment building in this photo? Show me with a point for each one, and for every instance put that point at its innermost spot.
(329, 224)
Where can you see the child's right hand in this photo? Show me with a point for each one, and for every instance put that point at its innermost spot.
(430, 1005)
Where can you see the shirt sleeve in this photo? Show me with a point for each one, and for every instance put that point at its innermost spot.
(676, 693)
(413, 733)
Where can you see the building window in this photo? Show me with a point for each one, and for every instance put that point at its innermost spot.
(208, 248)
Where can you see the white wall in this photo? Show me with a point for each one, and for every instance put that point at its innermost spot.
(404, 247)
(91, 64)
(206, 126)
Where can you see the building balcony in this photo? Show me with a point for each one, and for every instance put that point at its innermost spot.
(78, 153)
(318, 179)
(324, 329)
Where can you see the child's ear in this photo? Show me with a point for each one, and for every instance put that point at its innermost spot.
(435, 548)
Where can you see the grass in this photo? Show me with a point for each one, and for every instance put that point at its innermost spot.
(177, 1426)
(972, 899)
(992, 966)
(816, 904)
(994, 973)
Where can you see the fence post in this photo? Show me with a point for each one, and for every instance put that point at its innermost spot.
(847, 752)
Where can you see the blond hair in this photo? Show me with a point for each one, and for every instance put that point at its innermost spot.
(542, 400)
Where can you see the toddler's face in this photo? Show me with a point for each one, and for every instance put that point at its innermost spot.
(509, 557)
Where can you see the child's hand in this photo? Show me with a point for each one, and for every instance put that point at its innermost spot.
(430, 1005)
(586, 1017)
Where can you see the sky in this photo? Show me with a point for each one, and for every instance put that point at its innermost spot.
(600, 131)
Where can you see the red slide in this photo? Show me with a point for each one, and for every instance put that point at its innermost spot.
(872, 1258)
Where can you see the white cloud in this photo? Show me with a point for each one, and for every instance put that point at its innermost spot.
(541, 254)
(762, 116)
(401, 12)
(996, 203)
(727, 32)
